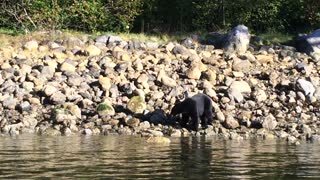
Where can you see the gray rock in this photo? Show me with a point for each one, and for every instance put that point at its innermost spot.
(237, 40)
(309, 43)
(58, 98)
(87, 132)
(306, 86)
(315, 138)
(241, 86)
(231, 123)
(236, 95)
(269, 122)
(24, 106)
(152, 45)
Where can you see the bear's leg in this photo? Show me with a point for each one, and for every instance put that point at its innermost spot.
(185, 120)
(196, 122)
(204, 121)
(209, 116)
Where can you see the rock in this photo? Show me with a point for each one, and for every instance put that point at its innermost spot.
(241, 86)
(144, 125)
(58, 98)
(72, 42)
(231, 123)
(105, 109)
(158, 140)
(152, 45)
(236, 94)
(306, 86)
(264, 59)
(67, 67)
(24, 106)
(105, 83)
(133, 122)
(49, 90)
(108, 39)
(216, 39)
(137, 104)
(309, 43)
(93, 50)
(51, 132)
(241, 65)
(87, 132)
(9, 102)
(60, 115)
(66, 131)
(269, 122)
(31, 45)
(176, 133)
(73, 109)
(260, 95)
(179, 49)
(315, 138)
(155, 133)
(194, 73)
(237, 40)
(165, 80)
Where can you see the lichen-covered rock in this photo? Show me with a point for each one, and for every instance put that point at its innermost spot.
(105, 109)
(137, 104)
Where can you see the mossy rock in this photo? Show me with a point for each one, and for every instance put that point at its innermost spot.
(61, 114)
(105, 109)
(137, 104)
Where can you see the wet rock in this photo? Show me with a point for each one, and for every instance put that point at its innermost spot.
(175, 133)
(315, 138)
(51, 132)
(155, 133)
(87, 132)
(158, 140)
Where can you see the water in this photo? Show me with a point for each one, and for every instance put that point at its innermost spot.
(126, 157)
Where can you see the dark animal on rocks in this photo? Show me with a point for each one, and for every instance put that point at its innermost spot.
(196, 108)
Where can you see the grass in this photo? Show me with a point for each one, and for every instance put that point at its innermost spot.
(277, 37)
(12, 37)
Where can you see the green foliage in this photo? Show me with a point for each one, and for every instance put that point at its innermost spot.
(160, 15)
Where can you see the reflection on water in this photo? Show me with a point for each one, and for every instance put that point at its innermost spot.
(126, 157)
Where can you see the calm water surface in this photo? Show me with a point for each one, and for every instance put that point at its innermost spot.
(125, 157)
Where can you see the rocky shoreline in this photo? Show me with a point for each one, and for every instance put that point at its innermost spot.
(110, 86)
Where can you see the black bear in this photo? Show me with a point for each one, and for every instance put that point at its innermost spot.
(196, 107)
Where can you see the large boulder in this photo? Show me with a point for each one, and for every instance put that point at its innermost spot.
(237, 41)
(309, 44)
